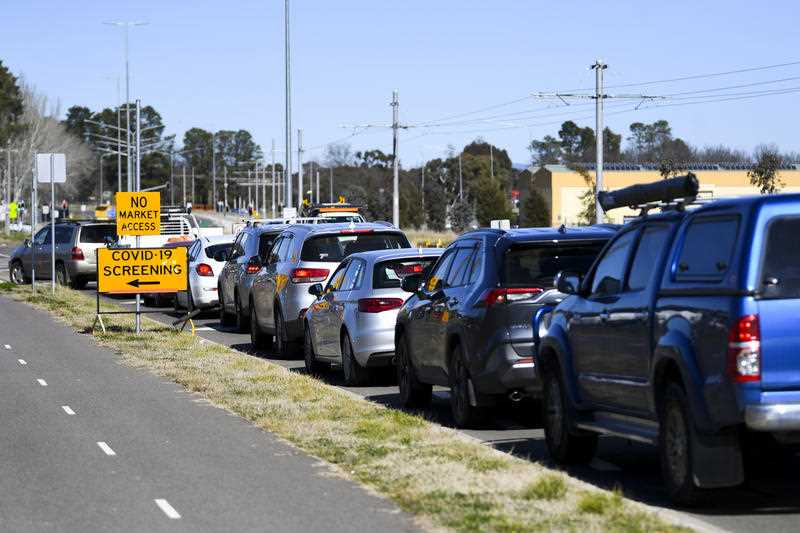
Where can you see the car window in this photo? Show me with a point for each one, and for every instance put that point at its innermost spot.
(536, 264)
(476, 267)
(97, 233)
(265, 242)
(194, 249)
(611, 268)
(389, 274)
(63, 234)
(214, 249)
(651, 243)
(352, 279)
(338, 277)
(780, 272)
(440, 270)
(238, 246)
(42, 236)
(334, 248)
(461, 262)
(284, 254)
(707, 248)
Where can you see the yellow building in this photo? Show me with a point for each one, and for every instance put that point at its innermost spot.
(562, 188)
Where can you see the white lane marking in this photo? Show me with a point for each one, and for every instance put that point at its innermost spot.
(167, 508)
(106, 448)
(67, 409)
(603, 466)
(7, 346)
(203, 328)
(42, 382)
(22, 361)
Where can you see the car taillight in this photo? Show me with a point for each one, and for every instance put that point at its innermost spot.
(407, 270)
(378, 305)
(504, 295)
(77, 254)
(253, 268)
(352, 231)
(309, 275)
(744, 350)
(204, 270)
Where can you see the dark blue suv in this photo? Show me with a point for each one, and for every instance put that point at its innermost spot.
(467, 325)
(684, 334)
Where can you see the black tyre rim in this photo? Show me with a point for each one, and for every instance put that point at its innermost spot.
(61, 275)
(554, 411)
(347, 359)
(676, 444)
(16, 274)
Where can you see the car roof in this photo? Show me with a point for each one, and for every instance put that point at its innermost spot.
(339, 227)
(563, 233)
(398, 253)
(218, 239)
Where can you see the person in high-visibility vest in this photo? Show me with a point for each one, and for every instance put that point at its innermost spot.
(12, 212)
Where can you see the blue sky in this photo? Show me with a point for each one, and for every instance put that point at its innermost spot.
(219, 65)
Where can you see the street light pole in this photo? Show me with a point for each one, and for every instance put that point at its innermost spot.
(214, 170)
(273, 178)
(299, 171)
(395, 163)
(599, 67)
(287, 168)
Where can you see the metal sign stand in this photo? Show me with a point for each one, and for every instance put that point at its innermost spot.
(52, 227)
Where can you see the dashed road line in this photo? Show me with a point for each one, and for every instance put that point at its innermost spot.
(67, 409)
(167, 508)
(7, 346)
(106, 448)
(42, 382)
(22, 361)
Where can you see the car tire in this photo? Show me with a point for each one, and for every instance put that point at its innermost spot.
(61, 275)
(465, 415)
(313, 367)
(242, 320)
(285, 348)
(78, 283)
(17, 274)
(564, 445)
(258, 338)
(413, 393)
(225, 319)
(355, 375)
(676, 438)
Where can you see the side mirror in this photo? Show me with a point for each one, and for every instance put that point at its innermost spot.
(221, 256)
(568, 282)
(411, 283)
(316, 290)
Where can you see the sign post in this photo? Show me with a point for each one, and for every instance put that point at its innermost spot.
(51, 168)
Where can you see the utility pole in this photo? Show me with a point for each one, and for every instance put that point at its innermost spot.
(491, 159)
(287, 169)
(395, 163)
(599, 96)
(171, 176)
(183, 204)
(225, 188)
(119, 140)
(317, 195)
(273, 178)
(214, 170)
(192, 186)
(299, 171)
(422, 189)
(8, 190)
(138, 146)
(331, 175)
(460, 180)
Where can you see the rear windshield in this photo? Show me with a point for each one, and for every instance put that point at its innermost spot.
(334, 248)
(781, 270)
(214, 249)
(387, 274)
(536, 265)
(97, 233)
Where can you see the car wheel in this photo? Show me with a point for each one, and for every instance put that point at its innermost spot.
(285, 349)
(412, 392)
(564, 445)
(675, 440)
(78, 283)
(258, 338)
(61, 274)
(242, 320)
(18, 274)
(354, 373)
(225, 319)
(313, 367)
(465, 414)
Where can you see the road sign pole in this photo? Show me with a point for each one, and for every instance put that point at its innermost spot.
(138, 298)
(33, 225)
(52, 225)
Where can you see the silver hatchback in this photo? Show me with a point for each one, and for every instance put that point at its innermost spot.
(352, 321)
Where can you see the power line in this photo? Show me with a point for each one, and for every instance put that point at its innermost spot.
(476, 111)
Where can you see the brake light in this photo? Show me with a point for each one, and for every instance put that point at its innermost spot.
(204, 270)
(504, 295)
(744, 350)
(378, 305)
(77, 254)
(253, 268)
(407, 270)
(309, 275)
(351, 231)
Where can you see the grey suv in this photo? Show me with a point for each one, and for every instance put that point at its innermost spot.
(247, 256)
(302, 255)
(76, 242)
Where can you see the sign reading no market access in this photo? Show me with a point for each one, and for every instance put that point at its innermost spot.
(141, 270)
(138, 213)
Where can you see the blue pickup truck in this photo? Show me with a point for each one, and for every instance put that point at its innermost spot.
(685, 334)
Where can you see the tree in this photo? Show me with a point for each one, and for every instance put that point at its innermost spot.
(491, 202)
(479, 147)
(545, 152)
(460, 215)
(577, 144)
(612, 143)
(588, 214)
(764, 173)
(411, 212)
(669, 168)
(75, 122)
(338, 155)
(534, 212)
(11, 105)
(374, 158)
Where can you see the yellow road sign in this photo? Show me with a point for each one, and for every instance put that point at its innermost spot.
(138, 213)
(137, 270)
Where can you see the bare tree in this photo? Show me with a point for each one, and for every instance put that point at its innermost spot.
(338, 155)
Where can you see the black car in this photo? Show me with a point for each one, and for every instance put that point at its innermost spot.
(468, 324)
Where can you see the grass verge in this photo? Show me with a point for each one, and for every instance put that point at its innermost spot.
(430, 239)
(13, 237)
(444, 478)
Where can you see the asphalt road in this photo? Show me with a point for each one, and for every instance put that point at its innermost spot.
(90, 445)
(770, 501)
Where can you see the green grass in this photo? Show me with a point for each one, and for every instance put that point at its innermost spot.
(13, 238)
(446, 479)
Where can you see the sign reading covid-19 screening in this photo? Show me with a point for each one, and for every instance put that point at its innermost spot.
(138, 213)
(139, 270)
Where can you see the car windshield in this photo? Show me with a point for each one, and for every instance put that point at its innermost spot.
(97, 233)
(388, 274)
(334, 248)
(214, 249)
(536, 265)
